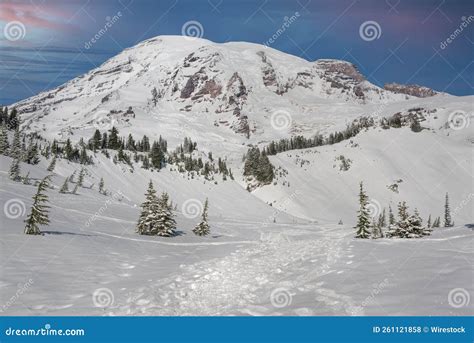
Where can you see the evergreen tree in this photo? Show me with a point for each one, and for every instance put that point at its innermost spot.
(381, 221)
(39, 211)
(363, 217)
(428, 224)
(149, 214)
(65, 187)
(156, 156)
(74, 190)
(113, 142)
(391, 217)
(15, 151)
(96, 140)
(4, 144)
(101, 186)
(26, 179)
(203, 229)
(52, 165)
(165, 224)
(447, 213)
(154, 96)
(14, 171)
(80, 179)
(32, 155)
(437, 222)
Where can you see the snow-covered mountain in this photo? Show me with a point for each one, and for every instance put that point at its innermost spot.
(227, 96)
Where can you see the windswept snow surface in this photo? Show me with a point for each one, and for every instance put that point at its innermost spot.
(91, 262)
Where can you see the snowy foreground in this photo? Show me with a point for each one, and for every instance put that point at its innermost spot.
(90, 264)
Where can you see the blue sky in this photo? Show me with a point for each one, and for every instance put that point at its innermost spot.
(42, 43)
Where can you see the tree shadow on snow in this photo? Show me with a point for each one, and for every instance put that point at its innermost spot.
(470, 226)
(66, 233)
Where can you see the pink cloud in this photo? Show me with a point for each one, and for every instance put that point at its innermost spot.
(35, 14)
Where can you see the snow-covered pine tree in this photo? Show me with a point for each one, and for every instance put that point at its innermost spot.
(65, 187)
(428, 224)
(437, 222)
(149, 213)
(4, 144)
(447, 213)
(363, 217)
(203, 229)
(52, 165)
(14, 171)
(72, 177)
(15, 150)
(26, 179)
(391, 217)
(381, 220)
(39, 210)
(80, 179)
(166, 224)
(74, 190)
(101, 186)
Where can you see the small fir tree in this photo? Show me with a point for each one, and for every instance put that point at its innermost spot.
(65, 187)
(203, 229)
(447, 213)
(363, 217)
(39, 210)
(52, 165)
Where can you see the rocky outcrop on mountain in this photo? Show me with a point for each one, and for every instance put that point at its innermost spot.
(413, 90)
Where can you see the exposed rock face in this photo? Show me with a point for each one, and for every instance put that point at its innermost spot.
(340, 70)
(413, 90)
